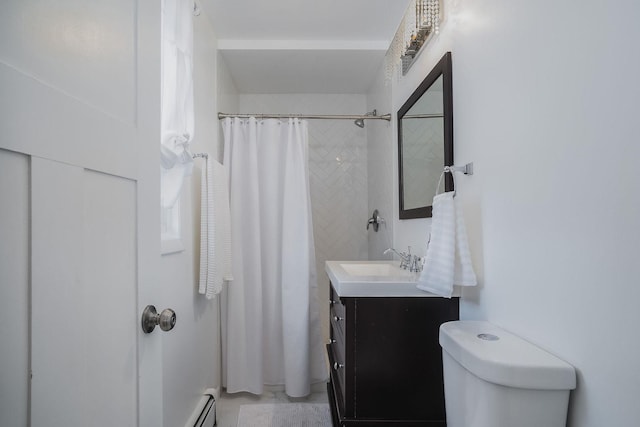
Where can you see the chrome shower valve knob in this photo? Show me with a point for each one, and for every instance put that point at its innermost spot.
(375, 220)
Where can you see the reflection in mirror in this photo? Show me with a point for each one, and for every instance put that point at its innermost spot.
(425, 141)
(422, 142)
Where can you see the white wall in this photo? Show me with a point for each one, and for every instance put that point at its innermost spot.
(227, 98)
(15, 298)
(191, 349)
(545, 105)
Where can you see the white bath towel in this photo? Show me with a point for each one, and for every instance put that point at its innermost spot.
(215, 230)
(448, 260)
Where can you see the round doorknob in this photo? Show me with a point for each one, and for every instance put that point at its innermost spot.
(150, 319)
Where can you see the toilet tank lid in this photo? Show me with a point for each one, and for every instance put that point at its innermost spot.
(508, 360)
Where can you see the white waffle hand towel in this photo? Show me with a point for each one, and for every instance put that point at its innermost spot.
(448, 260)
(215, 230)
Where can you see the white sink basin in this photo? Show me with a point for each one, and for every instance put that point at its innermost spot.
(373, 279)
(375, 269)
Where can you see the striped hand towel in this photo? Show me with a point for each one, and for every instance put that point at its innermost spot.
(448, 260)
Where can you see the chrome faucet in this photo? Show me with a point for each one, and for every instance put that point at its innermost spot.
(405, 258)
(416, 264)
(407, 261)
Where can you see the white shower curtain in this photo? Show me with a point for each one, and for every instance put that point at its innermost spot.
(271, 326)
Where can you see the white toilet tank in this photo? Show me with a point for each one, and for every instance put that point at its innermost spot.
(493, 378)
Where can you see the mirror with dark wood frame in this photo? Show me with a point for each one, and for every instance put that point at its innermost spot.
(425, 141)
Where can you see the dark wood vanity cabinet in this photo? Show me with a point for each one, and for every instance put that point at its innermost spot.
(386, 362)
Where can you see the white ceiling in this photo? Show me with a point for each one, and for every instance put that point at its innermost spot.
(304, 46)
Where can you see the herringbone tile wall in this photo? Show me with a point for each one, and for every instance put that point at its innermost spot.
(381, 144)
(338, 179)
(337, 175)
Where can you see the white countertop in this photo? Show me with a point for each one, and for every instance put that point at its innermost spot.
(386, 279)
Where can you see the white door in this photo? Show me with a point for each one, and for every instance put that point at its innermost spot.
(79, 212)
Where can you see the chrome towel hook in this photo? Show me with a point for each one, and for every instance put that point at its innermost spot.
(466, 169)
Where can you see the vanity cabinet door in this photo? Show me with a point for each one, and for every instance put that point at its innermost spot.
(398, 358)
(386, 362)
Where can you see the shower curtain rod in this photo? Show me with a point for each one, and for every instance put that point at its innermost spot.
(386, 117)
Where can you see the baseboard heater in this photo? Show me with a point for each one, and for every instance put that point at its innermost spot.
(204, 414)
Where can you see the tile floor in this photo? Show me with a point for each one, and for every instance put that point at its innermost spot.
(228, 405)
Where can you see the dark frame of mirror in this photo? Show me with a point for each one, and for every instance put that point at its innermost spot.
(442, 68)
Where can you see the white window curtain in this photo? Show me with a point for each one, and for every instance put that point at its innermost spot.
(177, 98)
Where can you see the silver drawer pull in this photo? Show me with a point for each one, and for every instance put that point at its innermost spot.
(337, 318)
(337, 366)
(331, 302)
(332, 341)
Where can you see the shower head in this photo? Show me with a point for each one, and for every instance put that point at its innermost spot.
(360, 122)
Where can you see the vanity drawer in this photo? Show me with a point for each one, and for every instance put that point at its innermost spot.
(337, 361)
(338, 325)
(338, 370)
(337, 340)
(337, 313)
